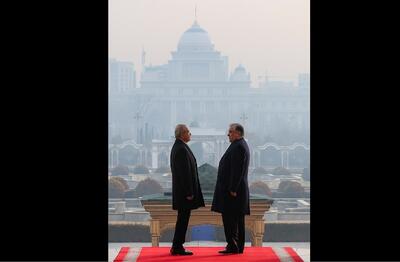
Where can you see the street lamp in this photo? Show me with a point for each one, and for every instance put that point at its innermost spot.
(137, 117)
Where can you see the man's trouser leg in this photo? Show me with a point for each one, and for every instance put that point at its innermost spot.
(241, 232)
(181, 225)
(231, 230)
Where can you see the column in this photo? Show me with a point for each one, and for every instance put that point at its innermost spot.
(202, 108)
(188, 106)
(287, 156)
(216, 143)
(140, 157)
(154, 157)
(155, 232)
(258, 233)
(173, 113)
(117, 151)
(216, 155)
(112, 158)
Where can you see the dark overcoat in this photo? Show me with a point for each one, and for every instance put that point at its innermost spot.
(185, 179)
(232, 176)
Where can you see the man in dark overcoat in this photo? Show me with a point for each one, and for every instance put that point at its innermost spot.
(231, 195)
(186, 191)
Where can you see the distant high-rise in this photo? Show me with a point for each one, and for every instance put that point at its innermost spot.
(122, 76)
(304, 80)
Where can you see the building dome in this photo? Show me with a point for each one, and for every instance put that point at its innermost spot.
(240, 74)
(240, 68)
(195, 39)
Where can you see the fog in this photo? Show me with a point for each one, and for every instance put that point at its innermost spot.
(207, 64)
(267, 36)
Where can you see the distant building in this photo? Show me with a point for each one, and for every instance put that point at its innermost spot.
(278, 85)
(304, 81)
(240, 75)
(196, 85)
(122, 76)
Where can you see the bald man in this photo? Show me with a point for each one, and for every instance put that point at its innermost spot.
(186, 191)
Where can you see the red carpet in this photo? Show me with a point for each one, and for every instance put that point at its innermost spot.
(207, 254)
(122, 254)
(293, 254)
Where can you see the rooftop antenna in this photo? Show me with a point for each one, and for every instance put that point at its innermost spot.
(143, 56)
(143, 62)
(265, 83)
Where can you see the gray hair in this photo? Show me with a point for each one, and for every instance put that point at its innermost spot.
(179, 130)
(237, 127)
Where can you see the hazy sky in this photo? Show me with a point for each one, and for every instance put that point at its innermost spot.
(263, 35)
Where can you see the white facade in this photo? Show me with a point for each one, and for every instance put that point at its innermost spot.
(122, 76)
(195, 85)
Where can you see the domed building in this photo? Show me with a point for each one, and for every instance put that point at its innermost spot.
(194, 60)
(195, 86)
(240, 75)
(195, 39)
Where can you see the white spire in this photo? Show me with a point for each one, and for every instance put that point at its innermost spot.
(143, 57)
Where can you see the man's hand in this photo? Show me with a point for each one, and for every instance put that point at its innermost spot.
(189, 197)
(234, 194)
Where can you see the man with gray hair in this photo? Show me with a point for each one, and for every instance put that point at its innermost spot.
(186, 191)
(231, 195)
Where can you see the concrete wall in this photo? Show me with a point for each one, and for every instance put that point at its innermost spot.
(294, 216)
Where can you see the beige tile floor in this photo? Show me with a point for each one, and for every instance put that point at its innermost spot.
(302, 248)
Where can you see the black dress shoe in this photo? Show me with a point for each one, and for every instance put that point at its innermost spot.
(229, 251)
(181, 252)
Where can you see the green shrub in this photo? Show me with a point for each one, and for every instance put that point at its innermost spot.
(261, 188)
(306, 174)
(259, 170)
(162, 170)
(123, 182)
(120, 170)
(147, 187)
(115, 188)
(140, 169)
(280, 171)
(207, 177)
(290, 187)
